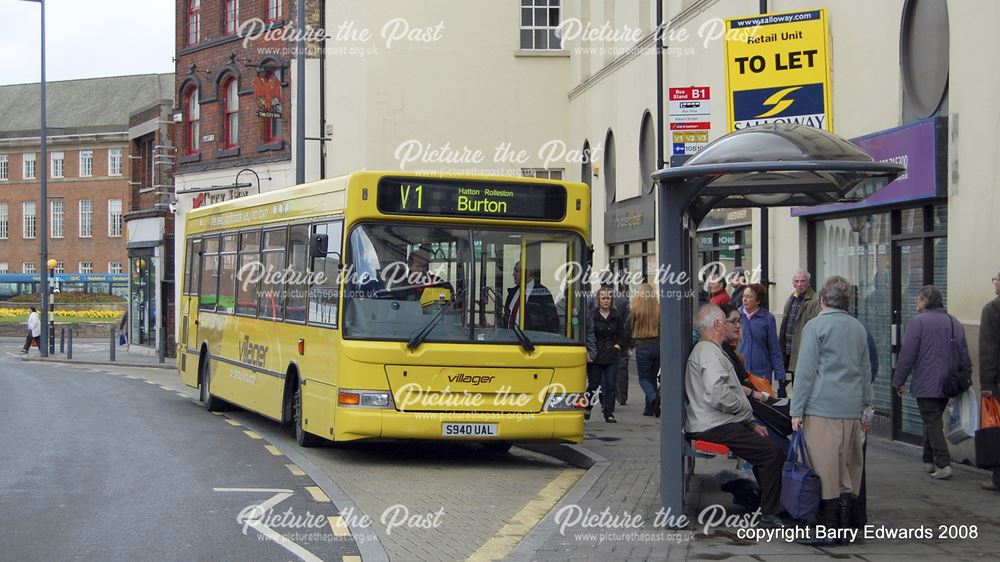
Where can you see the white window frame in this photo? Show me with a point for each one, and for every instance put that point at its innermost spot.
(4, 267)
(4, 221)
(86, 220)
(4, 167)
(86, 267)
(25, 230)
(115, 266)
(86, 163)
(28, 267)
(28, 166)
(60, 267)
(114, 161)
(114, 219)
(58, 160)
(530, 11)
(273, 10)
(233, 24)
(57, 218)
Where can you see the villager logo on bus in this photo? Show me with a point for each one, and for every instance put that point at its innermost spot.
(476, 380)
(252, 353)
(457, 198)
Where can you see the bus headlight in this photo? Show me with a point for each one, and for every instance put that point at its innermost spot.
(565, 401)
(364, 399)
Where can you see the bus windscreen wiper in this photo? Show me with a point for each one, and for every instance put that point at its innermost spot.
(420, 336)
(523, 338)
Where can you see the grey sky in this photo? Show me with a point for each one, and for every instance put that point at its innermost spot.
(86, 39)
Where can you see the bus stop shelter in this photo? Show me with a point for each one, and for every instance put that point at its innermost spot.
(773, 165)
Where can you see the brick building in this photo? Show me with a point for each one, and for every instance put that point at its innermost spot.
(88, 170)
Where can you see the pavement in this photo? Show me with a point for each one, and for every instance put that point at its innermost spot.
(611, 511)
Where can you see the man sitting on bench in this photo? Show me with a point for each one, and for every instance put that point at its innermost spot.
(718, 411)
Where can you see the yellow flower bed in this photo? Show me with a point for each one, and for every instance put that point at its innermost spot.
(16, 312)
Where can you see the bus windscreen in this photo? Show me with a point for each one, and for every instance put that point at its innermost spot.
(459, 198)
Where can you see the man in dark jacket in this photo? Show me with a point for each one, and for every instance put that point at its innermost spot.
(801, 307)
(541, 308)
(989, 359)
(929, 354)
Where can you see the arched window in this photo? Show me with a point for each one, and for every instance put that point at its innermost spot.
(587, 166)
(232, 15)
(647, 152)
(610, 186)
(194, 22)
(192, 118)
(231, 123)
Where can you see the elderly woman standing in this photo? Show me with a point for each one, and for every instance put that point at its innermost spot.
(928, 352)
(759, 345)
(832, 390)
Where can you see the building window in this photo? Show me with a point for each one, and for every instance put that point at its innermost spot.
(86, 163)
(193, 129)
(114, 218)
(539, 22)
(647, 152)
(4, 221)
(86, 218)
(3, 167)
(28, 267)
(232, 15)
(273, 10)
(57, 164)
(29, 166)
(60, 267)
(114, 267)
(114, 161)
(194, 22)
(57, 218)
(3, 267)
(86, 267)
(231, 101)
(610, 184)
(543, 173)
(28, 228)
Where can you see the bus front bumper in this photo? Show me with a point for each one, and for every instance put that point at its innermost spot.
(363, 423)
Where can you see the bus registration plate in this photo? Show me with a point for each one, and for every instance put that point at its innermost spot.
(469, 430)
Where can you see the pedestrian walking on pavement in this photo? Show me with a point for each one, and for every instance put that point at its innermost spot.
(801, 307)
(644, 327)
(929, 354)
(832, 395)
(989, 360)
(34, 331)
(621, 303)
(610, 337)
(759, 345)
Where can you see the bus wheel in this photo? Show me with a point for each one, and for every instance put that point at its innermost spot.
(497, 447)
(302, 437)
(212, 403)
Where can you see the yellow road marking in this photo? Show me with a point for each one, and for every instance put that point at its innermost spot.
(273, 450)
(131, 377)
(233, 422)
(339, 527)
(294, 469)
(252, 435)
(352, 559)
(182, 395)
(165, 387)
(216, 413)
(150, 382)
(498, 547)
(317, 494)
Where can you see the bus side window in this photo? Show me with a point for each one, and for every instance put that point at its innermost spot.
(273, 258)
(248, 273)
(194, 266)
(298, 248)
(227, 274)
(208, 294)
(324, 293)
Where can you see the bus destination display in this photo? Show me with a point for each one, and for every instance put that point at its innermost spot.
(456, 198)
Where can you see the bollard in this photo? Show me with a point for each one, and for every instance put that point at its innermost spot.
(52, 337)
(114, 343)
(62, 340)
(69, 345)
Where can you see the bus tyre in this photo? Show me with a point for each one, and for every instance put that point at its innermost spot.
(302, 437)
(497, 447)
(212, 403)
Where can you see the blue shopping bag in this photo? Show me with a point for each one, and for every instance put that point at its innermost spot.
(800, 486)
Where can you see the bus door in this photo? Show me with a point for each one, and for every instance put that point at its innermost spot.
(189, 323)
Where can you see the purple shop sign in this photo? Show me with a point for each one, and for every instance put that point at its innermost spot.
(920, 146)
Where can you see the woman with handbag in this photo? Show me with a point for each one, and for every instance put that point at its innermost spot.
(933, 348)
(759, 345)
(608, 333)
(832, 391)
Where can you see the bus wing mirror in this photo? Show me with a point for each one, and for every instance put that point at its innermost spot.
(318, 245)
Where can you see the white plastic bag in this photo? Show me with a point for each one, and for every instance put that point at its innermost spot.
(963, 417)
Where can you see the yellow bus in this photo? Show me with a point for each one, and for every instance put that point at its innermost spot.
(386, 306)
